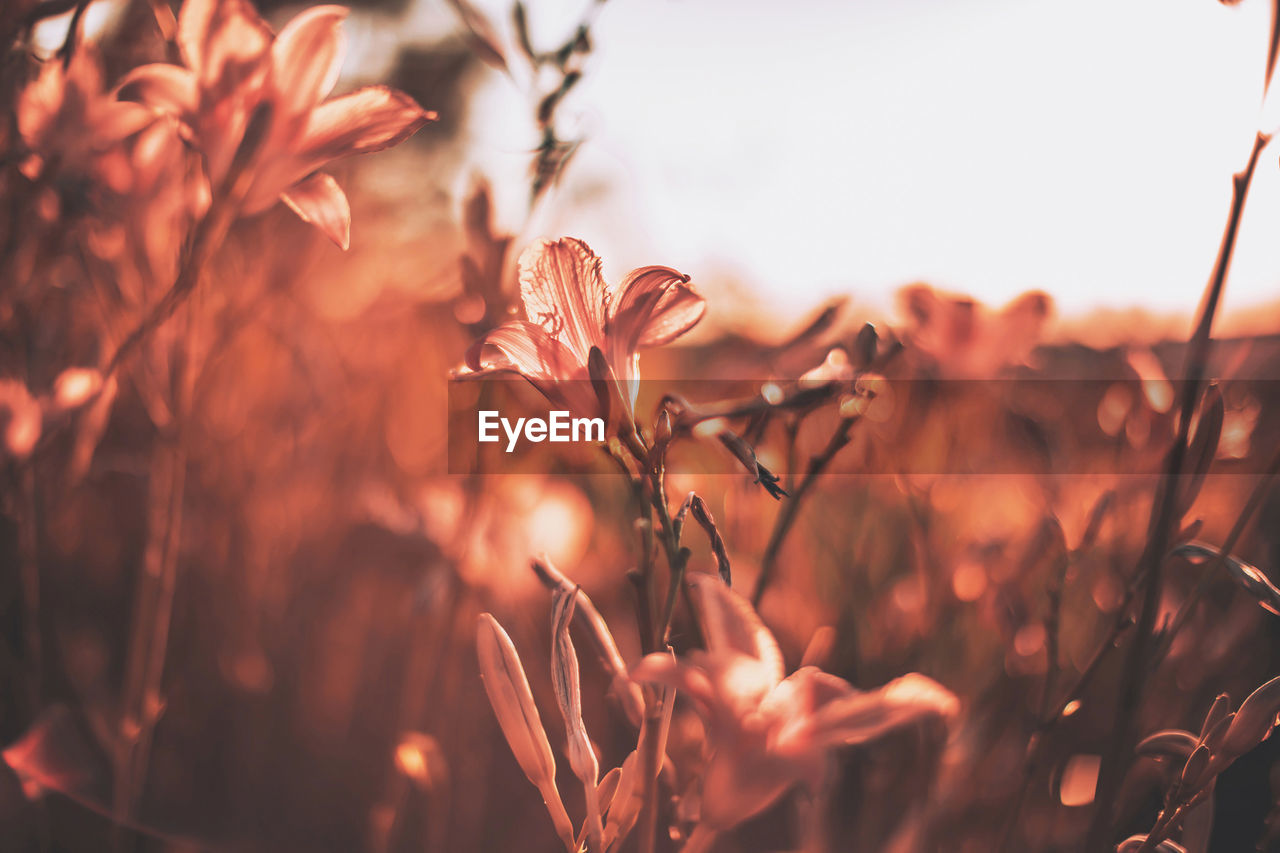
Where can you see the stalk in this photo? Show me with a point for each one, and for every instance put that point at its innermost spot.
(1164, 517)
(790, 509)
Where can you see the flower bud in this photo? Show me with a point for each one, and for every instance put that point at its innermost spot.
(1254, 720)
(512, 701)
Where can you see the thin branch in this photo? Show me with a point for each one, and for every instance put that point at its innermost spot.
(1164, 517)
(789, 510)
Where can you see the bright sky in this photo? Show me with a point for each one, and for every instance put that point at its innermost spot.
(988, 146)
(1083, 147)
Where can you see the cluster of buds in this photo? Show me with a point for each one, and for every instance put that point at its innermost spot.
(1224, 737)
(767, 733)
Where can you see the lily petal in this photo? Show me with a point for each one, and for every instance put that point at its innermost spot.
(222, 38)
(740, 783)
(806, 691)
(657, 306)
(731, 625)
(564, 292)
(522, 347)
(366, 120)
(320, 201)
(40, 103)
(162, 87)
(120, 122)
(306, 58)
(661, 668)
(791, 708)
(194, 23)
(867, 716)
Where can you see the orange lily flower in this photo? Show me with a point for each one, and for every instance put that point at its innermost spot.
(66, 119)
(237, 68)
(768, 733)
(571, 310)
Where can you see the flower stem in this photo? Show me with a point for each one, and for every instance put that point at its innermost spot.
(1214, 566)
(1164, 516)
(789, 511)
(206, 239)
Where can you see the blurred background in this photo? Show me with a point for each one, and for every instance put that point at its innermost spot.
(259, 509)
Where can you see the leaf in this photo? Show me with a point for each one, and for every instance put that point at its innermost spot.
(512, 701)
(1250, 578)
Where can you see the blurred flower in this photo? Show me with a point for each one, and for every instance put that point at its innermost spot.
(968, 340)
(238, 69)
(768, 733)
(72, 126)
(571, 310)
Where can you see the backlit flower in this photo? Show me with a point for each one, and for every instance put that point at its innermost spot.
(570, 310)
(968, 340)
(238, 69)
(69, 124)
(768, 733)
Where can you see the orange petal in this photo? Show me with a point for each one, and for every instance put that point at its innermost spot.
(564, 292)
(306, 58)
(40, 102)
(194, 22)
(215, 34)
(741, 781)
(730, 624)
(364, 121)
(657, 306)
(320, 201)
(866, 716)
(167, 88)
(521, 347)
(119, 122)
(662, 668)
